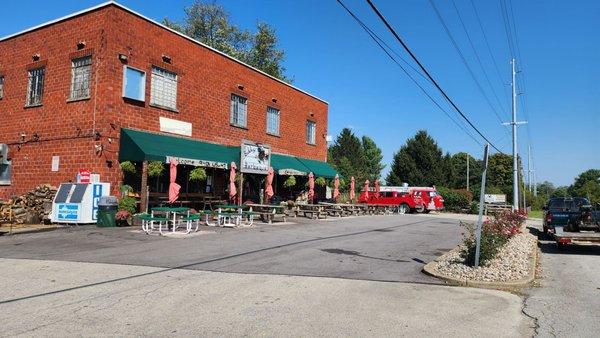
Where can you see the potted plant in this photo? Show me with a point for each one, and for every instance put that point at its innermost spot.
(156, 169)
(289, 183)
(197, 175)
(127, 207)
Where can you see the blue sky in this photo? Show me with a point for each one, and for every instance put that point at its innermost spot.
(329, 55)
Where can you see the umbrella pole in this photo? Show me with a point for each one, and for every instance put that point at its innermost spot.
(240, 189)
(144, 188)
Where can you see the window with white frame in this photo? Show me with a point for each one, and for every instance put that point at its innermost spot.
(273, 121)
(35, 86)
(1, 87)
(239, 111)
(163, 90)
(311, 132)
(134, 83)
(81, 74)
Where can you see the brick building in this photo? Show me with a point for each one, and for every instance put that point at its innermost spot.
(107, 84)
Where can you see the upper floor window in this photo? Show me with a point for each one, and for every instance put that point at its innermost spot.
(311, 132)
(1, 87)
(163, 90)
(239, 111)
(134, 84)
(35, 86)
(273, 121)
(81, 74)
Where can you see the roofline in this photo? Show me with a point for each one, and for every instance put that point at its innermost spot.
(114, 3)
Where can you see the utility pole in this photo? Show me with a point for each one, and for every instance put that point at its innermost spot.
(515, 150)
(534, 182)
(468, 172)
(529, 185)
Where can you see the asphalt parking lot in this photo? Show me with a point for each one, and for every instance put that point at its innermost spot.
(384, 248)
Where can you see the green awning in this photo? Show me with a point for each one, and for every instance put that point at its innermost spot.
(143, 146)
(288, 165)
(318, 168)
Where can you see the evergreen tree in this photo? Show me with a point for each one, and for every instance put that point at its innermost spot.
(347, 156)
(373, 157)
(459, 163)
(418, 162)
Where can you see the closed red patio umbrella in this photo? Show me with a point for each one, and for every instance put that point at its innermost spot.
(377, 189)
(366, 190)
(269, 185)
(311, 187)
(336, 187)
(232, 189)
(173, 187)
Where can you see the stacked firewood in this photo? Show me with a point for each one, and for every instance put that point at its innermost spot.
(31, 208)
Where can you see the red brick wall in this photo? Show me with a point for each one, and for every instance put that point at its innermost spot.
(206, 80)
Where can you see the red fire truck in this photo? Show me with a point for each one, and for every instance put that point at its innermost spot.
(408, 199)
(405, 200)
(432, 199)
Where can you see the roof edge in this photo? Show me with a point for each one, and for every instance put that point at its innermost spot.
(114, 3)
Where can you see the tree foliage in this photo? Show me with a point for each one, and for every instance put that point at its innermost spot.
(209, 23)
(418, 162)
(358, 157)
(587, 184)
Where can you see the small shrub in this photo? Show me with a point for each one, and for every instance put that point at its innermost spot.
(456, 200)
(491, 243)
(127, 204)
(125, 189)
(122, 215)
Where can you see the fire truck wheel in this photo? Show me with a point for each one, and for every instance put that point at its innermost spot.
(420, 209)
(403, 208)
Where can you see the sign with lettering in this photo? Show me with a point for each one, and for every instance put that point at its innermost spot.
(290, 172)
(68, 211)
(197, 163)
(255, 158)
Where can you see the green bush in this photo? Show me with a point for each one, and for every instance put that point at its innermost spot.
(289, 182)
(456, 200)
(491, 243)
(128, 204)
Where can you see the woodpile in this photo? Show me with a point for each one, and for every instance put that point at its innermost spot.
(31, 208)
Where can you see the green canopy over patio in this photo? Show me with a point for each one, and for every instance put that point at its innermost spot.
(144, 146)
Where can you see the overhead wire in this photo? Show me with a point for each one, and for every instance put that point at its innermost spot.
(465, 62)
(435, 83)
(382, 44)
(487, 78)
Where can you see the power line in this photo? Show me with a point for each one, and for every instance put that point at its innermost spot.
(412, 55)
(381, 45)
(464, 60)
(477, 55)
(487, 43)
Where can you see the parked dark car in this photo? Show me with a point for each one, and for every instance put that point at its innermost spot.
(572, 213)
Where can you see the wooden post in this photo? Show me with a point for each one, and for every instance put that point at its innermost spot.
(144, 188)
(240, 187)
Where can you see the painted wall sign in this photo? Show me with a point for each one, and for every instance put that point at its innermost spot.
(255, 158)
(175, 126)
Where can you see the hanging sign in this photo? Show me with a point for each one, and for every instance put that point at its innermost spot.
(255, 158)
(83, 176)
(197, 163)
(290, 172)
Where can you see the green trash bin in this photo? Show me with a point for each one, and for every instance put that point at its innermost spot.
(107, 209)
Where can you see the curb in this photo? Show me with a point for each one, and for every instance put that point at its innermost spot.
(29, 231)
(523, 282)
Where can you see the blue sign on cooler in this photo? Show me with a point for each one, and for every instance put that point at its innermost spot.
(68, 212)
(96, 194)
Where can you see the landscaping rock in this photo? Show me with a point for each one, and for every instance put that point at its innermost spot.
(510, 264)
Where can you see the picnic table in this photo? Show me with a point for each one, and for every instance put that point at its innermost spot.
(268, 212)
(336, 209)
(231, 215)
(314, 210)
(170, 216)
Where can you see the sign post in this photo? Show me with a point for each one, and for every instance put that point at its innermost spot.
(481, 202)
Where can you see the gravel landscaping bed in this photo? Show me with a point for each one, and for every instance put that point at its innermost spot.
(510, 264)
